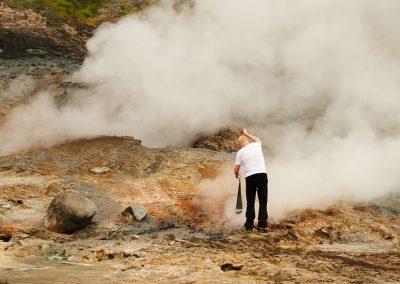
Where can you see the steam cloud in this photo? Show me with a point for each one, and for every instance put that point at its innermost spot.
(318, 81)
(21, 86)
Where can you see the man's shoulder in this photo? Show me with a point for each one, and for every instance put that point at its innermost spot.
(239, 152)
(254, 145)
(250, 147)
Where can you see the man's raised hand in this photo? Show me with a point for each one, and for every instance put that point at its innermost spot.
(252, 137)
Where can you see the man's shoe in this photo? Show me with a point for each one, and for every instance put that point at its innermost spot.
(248, 229)
(262, 229)
(248, 226)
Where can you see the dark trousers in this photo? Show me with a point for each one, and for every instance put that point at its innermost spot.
(256, 183)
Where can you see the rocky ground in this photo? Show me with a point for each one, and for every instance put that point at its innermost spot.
(184, 238)
(179, 240)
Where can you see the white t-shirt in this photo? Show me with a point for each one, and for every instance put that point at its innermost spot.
(251, 158)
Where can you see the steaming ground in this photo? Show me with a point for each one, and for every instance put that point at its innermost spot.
(317, 80)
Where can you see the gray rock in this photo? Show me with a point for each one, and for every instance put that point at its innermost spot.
(21, 166)
(137, 212)
(69, 212)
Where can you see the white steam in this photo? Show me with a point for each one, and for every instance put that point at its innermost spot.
(22, 86)
(317, 80)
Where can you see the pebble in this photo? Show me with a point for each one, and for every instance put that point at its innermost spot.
(100, 170)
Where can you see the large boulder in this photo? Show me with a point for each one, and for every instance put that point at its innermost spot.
(222, 141)
(69, 212)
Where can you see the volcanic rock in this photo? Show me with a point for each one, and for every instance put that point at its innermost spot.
(69, 212)
(5, 235)
(223, 141)
(136, 212)
(230, 266)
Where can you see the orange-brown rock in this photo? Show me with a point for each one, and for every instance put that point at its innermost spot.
(222, 141)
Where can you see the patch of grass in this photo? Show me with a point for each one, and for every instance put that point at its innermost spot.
(132, 6)
(84, 11)
(15, 5)
(125, 10)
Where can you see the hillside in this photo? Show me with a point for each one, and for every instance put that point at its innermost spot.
(59, 28)
(190, 233)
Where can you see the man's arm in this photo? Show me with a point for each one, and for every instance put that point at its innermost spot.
(236, 170)
(238, 162)
(252, 137)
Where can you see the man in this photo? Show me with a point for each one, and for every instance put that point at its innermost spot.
(251, 158)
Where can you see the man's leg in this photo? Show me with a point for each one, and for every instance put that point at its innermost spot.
(250, 198)
(262, 192)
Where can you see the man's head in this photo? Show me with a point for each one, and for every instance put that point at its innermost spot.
(242, 141)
